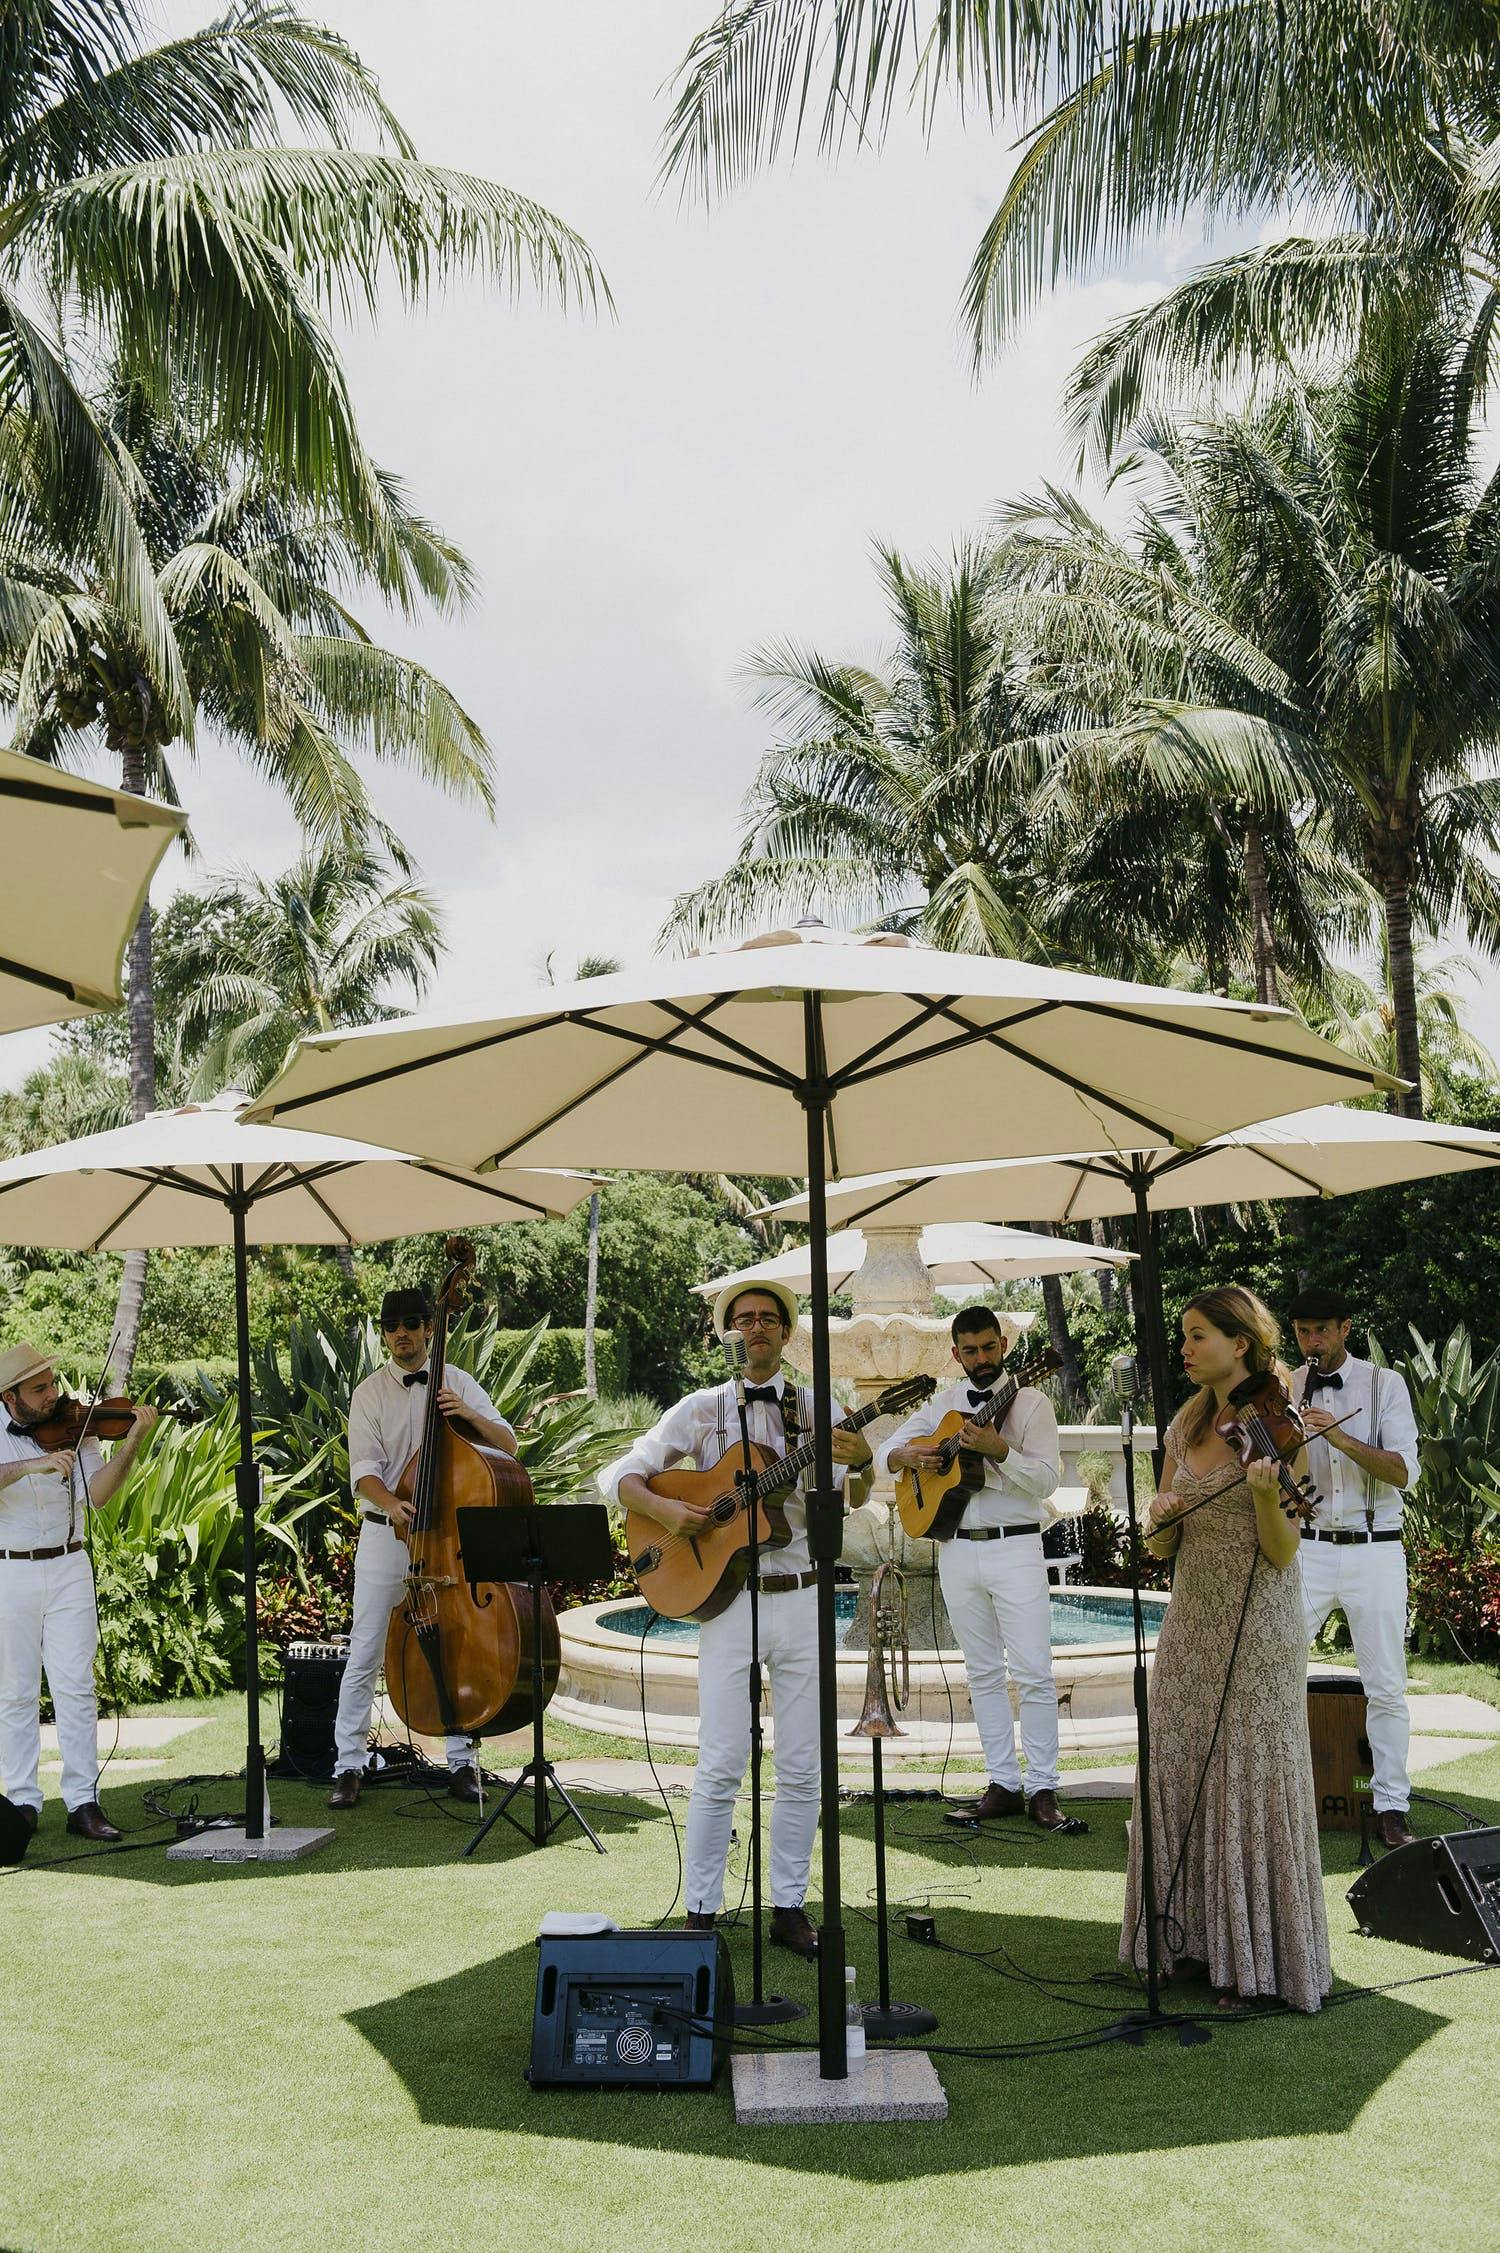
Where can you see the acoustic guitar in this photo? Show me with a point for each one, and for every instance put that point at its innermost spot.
(696, 1574)
(931, 1502)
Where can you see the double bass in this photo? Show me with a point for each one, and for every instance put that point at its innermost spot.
(458, 1661)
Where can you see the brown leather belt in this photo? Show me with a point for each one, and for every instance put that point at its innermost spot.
(42, 1556)
(782, 1583)
(1310, 1533)
(994, 1532)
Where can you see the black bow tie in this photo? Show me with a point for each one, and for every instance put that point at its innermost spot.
(414, 1377)
(767, 1393)
(19, 1431)
(1318, 1378)
(978, 1399)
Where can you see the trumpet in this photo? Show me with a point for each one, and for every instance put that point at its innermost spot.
(888, 1671)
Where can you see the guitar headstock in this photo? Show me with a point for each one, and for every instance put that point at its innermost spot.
(1037, 1366)
(909, 1393)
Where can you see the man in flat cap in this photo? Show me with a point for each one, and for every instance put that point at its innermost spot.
(386, 1414)
(48, 1621)
(1362, 1456)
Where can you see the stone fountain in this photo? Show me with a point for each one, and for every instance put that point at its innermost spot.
(892, 1333)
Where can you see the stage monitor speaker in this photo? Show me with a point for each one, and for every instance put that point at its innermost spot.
(631, 2010)
(15, 1831)
(1341, 1756)
(310, 1685)
(1442, 1893)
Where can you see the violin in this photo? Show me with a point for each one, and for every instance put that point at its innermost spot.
(68, 1421)
(1262, 1424)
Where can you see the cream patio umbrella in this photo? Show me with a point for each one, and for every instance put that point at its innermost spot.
(1330, 1150)
(200, 1175)
(76, 863)
(808, 1051)
(958, 1255)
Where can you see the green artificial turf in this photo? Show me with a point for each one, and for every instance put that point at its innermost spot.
(330, 2054)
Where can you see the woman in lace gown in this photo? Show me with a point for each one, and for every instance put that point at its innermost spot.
(1238, 1875)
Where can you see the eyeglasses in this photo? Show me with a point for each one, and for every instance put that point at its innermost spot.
(759, 1322)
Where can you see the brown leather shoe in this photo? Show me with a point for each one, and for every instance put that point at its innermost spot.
(30, 1816)
(993, 1802)
(90, 1821)
(700, 1920)
(1044, 1811)
(346, 1788)
(793, 1928)
(463, 1783)
(1393, 1830)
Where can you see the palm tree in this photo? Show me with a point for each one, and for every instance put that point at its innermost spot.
(1382, 115)
(258, 961)
(147, 191)
(589, 966)
(1355, 1010)
(255, 591)
(875, 808)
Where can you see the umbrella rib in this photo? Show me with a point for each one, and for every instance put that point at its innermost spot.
(501, 1196)
(326, 1209)
(81, 801)
(887, 1041)
(1367, 1077)
(120, 1218)
(973, 1033)
(27, 975)
(764, 1067)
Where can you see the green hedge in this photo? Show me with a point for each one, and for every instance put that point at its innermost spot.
(559, 1360)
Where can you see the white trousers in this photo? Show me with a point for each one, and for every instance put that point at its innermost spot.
(1369, 1580)
(996, 1594)
(379, 1585)
(48, 1622)
(789, 1655)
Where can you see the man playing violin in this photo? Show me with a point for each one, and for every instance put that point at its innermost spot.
(1362, 1454)
(704, 1426)
(386, 1415)
(48, 1619)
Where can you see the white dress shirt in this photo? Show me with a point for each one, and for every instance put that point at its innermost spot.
(1342, 1484)
(1014, 1491)
(37, 1511)
(385, 1421)
(704, 1426)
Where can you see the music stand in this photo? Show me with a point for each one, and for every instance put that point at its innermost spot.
(565, 1541)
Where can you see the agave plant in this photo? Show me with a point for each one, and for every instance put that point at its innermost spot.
(1455, 1501)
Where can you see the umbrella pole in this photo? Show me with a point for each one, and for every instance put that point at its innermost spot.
(1153, 1321)
(825, 1539)
(247, 1485)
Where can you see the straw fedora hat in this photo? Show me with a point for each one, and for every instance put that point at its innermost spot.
(785, 1299)
(17, 1363)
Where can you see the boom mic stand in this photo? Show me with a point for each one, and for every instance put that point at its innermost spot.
(761, 2009)
(1134, 2027)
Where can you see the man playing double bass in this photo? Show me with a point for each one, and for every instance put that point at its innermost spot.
(705, 1426)
(386, 1414)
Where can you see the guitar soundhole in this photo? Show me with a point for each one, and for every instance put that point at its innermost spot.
(727, 1505)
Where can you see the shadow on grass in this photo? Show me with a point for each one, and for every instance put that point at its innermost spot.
(461, 2045)
(393, 1828)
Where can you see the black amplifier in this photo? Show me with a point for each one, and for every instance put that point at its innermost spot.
(631, 2010)
(1441, 1893)
(312, 1677)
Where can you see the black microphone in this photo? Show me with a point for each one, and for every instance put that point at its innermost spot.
(1125, 1377)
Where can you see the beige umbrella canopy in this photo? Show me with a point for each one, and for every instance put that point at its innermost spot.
(959, 1255)
(75, 867)
(806, 1051)
(200, 1176)
(1328, 1151)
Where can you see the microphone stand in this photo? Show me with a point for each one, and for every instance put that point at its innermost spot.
(1138, 2024)
(761, 2009)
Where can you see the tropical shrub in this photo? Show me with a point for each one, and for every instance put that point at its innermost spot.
(1455, 1601)
(1455, 1499)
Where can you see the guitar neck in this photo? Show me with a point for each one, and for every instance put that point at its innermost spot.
(787, 1469)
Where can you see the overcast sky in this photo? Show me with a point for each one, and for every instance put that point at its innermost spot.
(646, 499)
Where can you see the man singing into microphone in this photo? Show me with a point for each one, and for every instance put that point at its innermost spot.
(1362, 1455)
(705, 1426)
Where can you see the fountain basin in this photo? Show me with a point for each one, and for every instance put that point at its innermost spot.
(611, 1669)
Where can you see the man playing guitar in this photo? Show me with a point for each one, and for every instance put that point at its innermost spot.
(993, 1574)
(705, 1426)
